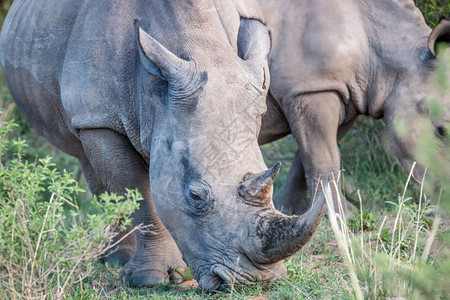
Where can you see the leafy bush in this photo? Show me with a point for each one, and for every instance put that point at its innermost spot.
(46, 245)
(433, 9)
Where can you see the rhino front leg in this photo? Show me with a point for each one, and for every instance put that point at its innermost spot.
(119, 166)
(314, 120)
(123, 252)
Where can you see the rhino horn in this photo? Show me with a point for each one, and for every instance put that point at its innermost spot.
(277, 236)
(158, 60)
(440, 33)
(257, 190)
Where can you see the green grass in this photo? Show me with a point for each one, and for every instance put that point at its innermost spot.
(316, 272)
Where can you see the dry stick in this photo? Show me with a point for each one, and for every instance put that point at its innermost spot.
(41, 232)
(139, 227)
(11, 276)
(432, 236)
(66, 200)
(363, 252)
(21, 219)
(4, 115)
(418, 215)
(362, 221)
(58, 277)
(65, 285)
(341, 242)
(399, 212)
(379, 237)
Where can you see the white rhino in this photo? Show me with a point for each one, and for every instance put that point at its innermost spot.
(333, 60)
(177, 107)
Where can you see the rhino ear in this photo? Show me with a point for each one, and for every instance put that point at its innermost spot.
(158, 60)
(440, 34)
(254, 43)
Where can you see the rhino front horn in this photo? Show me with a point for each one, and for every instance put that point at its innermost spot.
(257, 189)
(276, 236)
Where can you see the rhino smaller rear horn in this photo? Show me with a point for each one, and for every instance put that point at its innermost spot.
(256, 190)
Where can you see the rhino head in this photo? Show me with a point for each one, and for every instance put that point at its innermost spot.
(210, 185)
(418, 110)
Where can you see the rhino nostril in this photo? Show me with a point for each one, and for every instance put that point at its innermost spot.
(212, 281)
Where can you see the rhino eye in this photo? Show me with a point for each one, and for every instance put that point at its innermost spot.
(440, 132)
(195, 196)
(199, 198)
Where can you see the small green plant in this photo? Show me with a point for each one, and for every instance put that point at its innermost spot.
(364, 221)
(47, 246)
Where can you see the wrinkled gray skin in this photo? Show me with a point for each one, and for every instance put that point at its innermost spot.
(333, 60)
(175, 103)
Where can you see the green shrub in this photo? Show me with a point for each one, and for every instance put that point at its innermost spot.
(433, 9)
(46, 245)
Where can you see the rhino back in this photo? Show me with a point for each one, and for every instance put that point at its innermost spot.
(72, 65)
(317, 45)
(34, 37)
(32, 48)
(353, 47)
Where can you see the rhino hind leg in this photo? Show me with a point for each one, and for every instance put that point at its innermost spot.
(119, 166)
(292, 198)
(314, 121)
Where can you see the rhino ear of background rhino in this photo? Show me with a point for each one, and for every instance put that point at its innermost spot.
(254, 44)
(158, 60)
(440, 34)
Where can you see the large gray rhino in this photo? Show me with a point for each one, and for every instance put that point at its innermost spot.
(178, 107)
(333, 60)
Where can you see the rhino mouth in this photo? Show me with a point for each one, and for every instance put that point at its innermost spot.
(223, 277)
(404, 156)
(416, 170)
(419, 173)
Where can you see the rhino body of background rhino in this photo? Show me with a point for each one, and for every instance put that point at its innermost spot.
(179, 108)
(333, 60)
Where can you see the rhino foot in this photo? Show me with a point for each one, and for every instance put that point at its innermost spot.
(149, 273)
(120, 256)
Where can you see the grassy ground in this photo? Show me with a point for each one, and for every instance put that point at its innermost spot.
(316, 272)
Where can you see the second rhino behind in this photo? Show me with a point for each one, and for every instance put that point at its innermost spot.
(333, 60)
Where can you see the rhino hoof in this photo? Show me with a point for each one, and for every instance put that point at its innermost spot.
(147, 277)
(144, 278)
